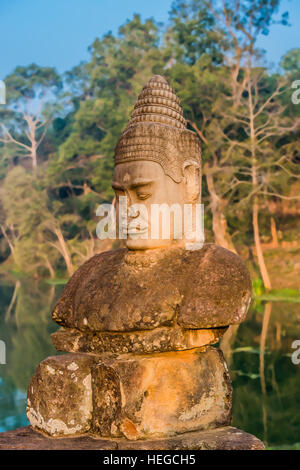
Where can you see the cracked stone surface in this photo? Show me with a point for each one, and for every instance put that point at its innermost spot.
(157, 340)
(141, 397)
(126, 290)
(59, 399)
(130, 396)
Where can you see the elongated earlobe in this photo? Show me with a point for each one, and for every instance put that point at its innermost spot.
(192, 181)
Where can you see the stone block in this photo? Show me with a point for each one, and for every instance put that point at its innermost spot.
(161, 395)
(60, 395)
(158, 340)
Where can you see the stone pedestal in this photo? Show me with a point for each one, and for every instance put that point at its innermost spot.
(225, 438)
(130, 396)
(132, 379)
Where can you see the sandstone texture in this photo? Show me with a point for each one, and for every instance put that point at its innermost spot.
(140, 397)
(130, 396)
(148, 341)
(225, 438)
(126, 290)
(60, 395)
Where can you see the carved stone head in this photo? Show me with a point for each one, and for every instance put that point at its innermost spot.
(157, 161)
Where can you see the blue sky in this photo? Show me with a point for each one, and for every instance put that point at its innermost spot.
(58, 32)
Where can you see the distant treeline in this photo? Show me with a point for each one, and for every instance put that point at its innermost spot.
(58, 134)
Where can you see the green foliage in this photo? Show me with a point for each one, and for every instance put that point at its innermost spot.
(291, 61)
(194, 34)
(47, 219)
(258, 287)
(281, 295)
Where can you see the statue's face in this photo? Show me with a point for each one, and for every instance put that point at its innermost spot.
(145, 183)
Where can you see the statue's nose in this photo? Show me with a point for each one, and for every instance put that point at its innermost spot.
(132, 212)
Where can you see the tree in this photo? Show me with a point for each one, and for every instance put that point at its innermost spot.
(200, 87)
(118, 68)
(251, 118)
(290, 62)
(198, 45)
(193, 34)
(106, 89)
(36, 226)
(26, 119)
(235, 107)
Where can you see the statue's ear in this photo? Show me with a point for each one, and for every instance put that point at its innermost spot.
(192, 180)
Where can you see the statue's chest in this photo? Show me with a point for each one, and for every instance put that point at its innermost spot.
(135, 296)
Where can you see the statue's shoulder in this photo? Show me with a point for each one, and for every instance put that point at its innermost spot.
(216, 287)
(215, 260)
(98, 267)
(95, 265)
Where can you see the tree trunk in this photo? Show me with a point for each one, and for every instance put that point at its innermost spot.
(34, 157)
(278, 334)
(64, 251)
(12, 302)
(50, 268)
(259, 252)
(31, 134)
(263, 340)
(11, 247)
(275, 242)
(219, 222)
(218, 205)
(227, 343)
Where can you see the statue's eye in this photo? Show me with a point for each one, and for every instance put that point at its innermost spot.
(143, 196)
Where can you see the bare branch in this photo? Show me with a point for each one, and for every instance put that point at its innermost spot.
(280, 196)
(277, 92)
(10, 139)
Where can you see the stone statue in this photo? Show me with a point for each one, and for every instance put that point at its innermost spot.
(138, 323)
(157, 159)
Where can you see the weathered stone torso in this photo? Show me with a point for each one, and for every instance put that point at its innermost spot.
(130, 291)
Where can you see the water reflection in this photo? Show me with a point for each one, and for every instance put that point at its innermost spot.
(258, 352)
(25, 327)
(265, 381)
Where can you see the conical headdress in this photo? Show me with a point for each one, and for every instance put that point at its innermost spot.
(157, 131)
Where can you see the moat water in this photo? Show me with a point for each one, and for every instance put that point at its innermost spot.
(266, 382)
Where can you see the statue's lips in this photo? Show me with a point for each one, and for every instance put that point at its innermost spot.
(137, 233)
(133, 231)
